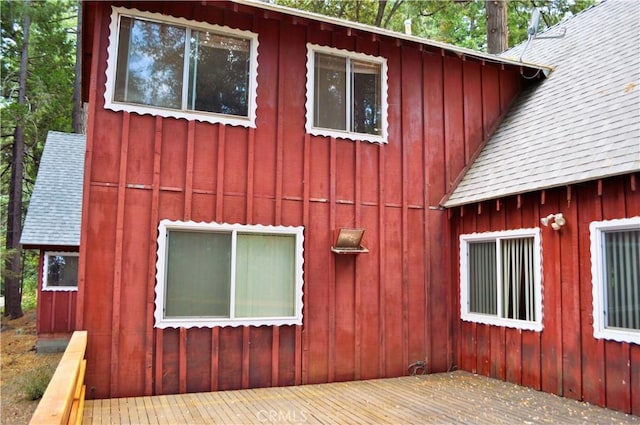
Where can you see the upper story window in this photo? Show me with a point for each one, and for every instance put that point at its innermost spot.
(60, 271)
(615, 270)
(500, 278)
(211, 274)
(346, 94)
(174, 67)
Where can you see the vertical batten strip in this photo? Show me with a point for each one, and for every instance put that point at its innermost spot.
(215, 333)
(188, 181)
(153, 237)
(332, 266)
(250, 174)
(357, 311)
(275, 355)
(301, 359)
(52, 313)
(404, 141)
(279, 144)
(246, 342)
(280, 116)
(382, 263)
(220, 174)
(557, 270)
(182, 361)
(188, 197)
(215, 357)
(159, 349)
(117, 272)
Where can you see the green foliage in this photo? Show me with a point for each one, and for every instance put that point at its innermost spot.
(30, 264)
(49, 90)
(49, 82)
(458, 22)
(34, 382)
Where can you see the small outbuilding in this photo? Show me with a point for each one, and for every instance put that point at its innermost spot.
(52, 226)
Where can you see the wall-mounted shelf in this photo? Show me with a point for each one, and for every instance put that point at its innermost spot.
(347, 241)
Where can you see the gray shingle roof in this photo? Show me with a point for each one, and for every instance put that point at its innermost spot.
(581, 123)
(54, 213)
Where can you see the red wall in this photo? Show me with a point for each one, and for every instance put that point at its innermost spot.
(56, 315)
(564, 358)
(365, 316)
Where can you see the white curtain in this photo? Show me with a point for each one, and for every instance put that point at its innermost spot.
(265, 275)
(517, 279)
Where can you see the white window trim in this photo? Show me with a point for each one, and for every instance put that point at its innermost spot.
(45, 271)
(487, 319)
(597, 230)
(189, 322)
(211, 117)
(317, 131)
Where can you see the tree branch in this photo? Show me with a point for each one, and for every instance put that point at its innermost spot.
(394, 8)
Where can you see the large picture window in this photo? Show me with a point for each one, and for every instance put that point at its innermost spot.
(60, 271)
(346, 94)
(500, 278)
(615, 270)
(220, 275)
(178, 68)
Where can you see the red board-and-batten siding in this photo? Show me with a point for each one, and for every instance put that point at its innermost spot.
(365, 316)
(56, 310)
(564, 358)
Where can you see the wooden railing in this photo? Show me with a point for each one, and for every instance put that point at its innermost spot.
(63, 400)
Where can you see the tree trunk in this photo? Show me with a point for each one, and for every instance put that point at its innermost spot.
(13, 260)
(77, 119)
(497, 26)
(381, 6)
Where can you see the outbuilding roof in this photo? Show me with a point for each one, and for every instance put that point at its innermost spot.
(54, 213)
(581, 123)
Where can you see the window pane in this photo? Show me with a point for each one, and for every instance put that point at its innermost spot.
(150, 63)
(198, 274)
(62, 270)
(517, 279)
(622, 286)
(265, 275)
(483, 282)
(366, 111)
(219, 74)
(330, 103)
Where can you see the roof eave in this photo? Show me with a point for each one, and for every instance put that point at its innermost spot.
(462, 51)
(446, 202)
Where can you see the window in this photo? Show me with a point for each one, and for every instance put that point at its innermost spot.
(615, 270)
(60, 271)
(173, 67)
(346, 94)
(500, 278)
(228, 275)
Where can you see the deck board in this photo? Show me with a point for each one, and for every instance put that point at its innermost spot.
(457, 397)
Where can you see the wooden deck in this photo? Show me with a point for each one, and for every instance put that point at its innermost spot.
(445, 398)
